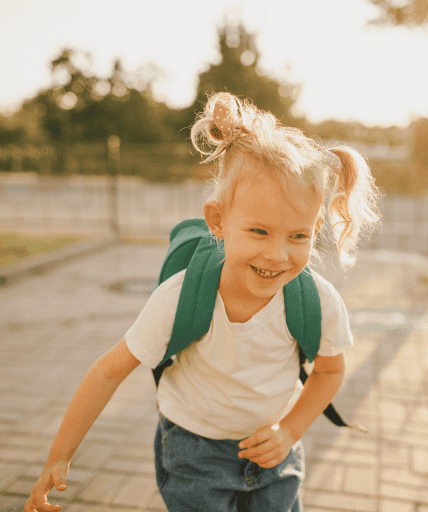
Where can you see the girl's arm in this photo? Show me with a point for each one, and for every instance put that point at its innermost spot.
(320, 388)
(90, 398)
(271, 444)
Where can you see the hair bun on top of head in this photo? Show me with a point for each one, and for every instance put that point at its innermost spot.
(220, 125)
(222, 120)
(224, 129)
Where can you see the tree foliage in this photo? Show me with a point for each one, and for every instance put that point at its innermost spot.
(86, 107)
(239, 73)
(81, 106)
(419, 145)
(402, 12)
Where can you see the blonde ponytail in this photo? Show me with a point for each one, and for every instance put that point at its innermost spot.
(352, 207)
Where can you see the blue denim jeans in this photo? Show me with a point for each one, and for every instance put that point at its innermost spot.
(197, 474)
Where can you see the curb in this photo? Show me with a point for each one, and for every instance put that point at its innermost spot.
(40, 263)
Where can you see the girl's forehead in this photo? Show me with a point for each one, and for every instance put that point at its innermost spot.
(262, 197)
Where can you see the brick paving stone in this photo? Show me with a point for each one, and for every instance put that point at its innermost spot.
(46, 424)
(26, 455)
(415, 494)
(393, 410)
(340, 501)
(130, 465)
(416, 439)
(103, 488)
(84, 507)
(420, 460)
(396, 506)
(32, 470)
(314, 509)
(136, 492)
(17, 401)
(92, 455)
(360, 442)
(326, 476)
(24, 441)
(361, 480)
(8, 473)
(10, 416)
(346, 455)
(403, 476)
(108, 433)
(12, 503)
(157, 503)
(393, 455)
(139, 451)
(50, 343)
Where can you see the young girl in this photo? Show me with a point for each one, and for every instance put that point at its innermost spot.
(231, 410)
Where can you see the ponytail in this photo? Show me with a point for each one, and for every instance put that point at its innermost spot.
(352, 208)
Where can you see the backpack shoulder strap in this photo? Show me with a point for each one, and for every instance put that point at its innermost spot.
(197, 297)
(303, 312)
(184, 239)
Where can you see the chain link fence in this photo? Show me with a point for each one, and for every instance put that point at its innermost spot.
(112, 191)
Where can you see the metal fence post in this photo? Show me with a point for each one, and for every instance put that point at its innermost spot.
(113, 166)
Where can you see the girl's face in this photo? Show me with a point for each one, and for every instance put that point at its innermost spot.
(267, 240)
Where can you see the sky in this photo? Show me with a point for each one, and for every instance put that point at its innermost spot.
(348, 70)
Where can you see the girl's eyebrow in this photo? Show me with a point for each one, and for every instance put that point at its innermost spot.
(262, 225)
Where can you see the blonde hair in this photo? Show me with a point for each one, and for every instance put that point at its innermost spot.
(294, 161)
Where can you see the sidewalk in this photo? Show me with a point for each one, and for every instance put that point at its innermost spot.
(53, 326)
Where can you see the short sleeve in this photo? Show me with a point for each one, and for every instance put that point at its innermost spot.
(336, 335)
(148, 337)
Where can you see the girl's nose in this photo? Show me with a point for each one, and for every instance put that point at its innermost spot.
(277, 252)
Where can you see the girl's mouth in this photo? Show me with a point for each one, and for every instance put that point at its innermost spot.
(266, 273)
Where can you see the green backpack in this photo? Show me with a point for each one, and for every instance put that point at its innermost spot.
(193, 248)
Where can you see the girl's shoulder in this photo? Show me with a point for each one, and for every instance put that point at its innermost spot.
(168, 292)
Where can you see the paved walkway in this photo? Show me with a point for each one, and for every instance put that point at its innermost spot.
(53, 326)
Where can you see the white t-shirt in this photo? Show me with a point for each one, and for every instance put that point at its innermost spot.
(239, 376)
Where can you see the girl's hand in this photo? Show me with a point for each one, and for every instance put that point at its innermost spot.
(269, 446)
(52, 475)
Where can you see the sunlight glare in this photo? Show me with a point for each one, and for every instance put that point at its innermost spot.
(68, 100)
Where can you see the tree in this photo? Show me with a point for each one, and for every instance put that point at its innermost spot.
(402, 12)
(82, 107)
(239, 74)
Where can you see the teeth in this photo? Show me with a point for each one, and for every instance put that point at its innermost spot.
(266, 273)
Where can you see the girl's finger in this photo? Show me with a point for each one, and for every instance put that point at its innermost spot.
(35, 506)
(58, 476)
(50, 508)
(260, 436)
(264, 459)
(259, 450)
(60, 484)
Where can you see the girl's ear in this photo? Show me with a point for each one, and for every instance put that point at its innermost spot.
(214, 218)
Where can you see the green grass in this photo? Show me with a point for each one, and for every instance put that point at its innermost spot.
(14, 248)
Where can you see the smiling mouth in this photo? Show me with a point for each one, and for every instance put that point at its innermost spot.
(266, 273)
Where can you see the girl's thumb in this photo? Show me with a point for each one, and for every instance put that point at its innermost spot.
(60, 484)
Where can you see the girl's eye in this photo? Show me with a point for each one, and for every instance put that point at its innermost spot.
(259, 231)
(299, 236)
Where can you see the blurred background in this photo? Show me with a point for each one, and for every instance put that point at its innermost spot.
(96, 101)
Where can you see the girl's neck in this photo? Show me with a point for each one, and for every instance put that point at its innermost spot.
(238, 310)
